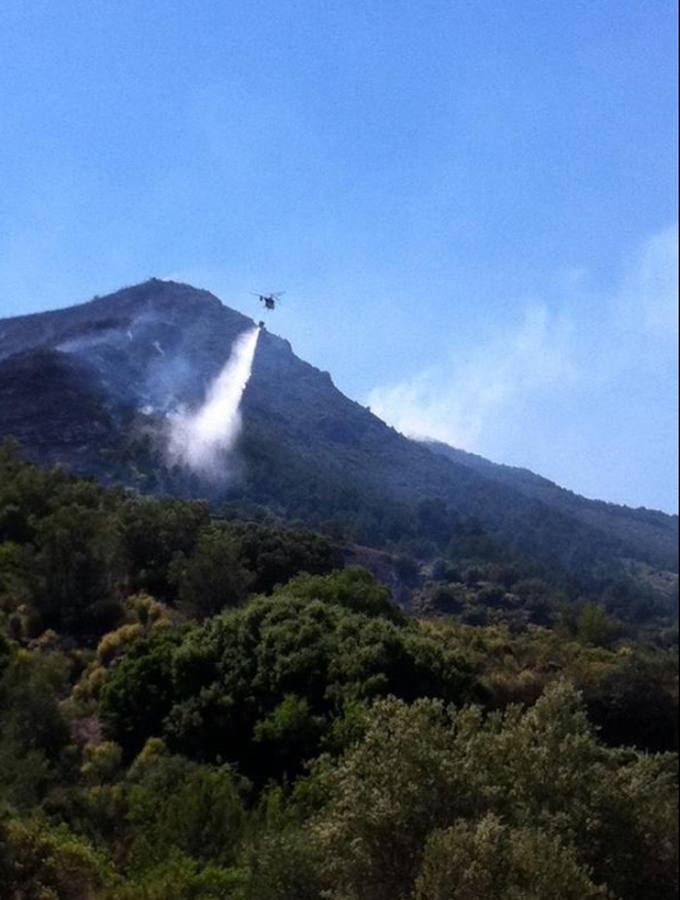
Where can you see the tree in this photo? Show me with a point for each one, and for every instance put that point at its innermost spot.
(593, 626)
(214, 576)
(354, 588)
(154, 532)
(138, 693)
(38, 861)
(225, 690)
(79, 563)
(33, 730)
(290, 733)
(421, 771)
(174, 804)
(283, 864)
(275, 555)
(489, 860)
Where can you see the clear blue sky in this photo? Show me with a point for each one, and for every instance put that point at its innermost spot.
(471, 204)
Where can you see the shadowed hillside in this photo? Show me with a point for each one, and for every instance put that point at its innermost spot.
(90, 387)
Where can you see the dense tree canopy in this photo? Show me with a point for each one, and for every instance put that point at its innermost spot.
(261, 685)
(218, 708)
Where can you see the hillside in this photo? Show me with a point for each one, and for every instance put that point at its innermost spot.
(194, 708)
(631, 525)
(90, 387)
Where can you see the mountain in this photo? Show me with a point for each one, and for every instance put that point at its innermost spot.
(90, 387)
(631, 525)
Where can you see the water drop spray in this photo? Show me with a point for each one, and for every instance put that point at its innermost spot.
(200, 440)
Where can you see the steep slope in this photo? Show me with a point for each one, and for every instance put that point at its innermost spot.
(56, 405)
(90, 387)
(631, 525)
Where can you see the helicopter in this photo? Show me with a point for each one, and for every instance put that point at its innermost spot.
(269, 301)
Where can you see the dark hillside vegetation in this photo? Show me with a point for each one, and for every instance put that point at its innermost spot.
(629, 524)
(213, 707)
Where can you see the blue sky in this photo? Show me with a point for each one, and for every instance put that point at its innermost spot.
(472, 205)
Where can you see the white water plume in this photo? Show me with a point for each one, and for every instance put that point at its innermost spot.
(201, 439)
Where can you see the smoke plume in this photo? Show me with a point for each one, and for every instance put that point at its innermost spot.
(201, 439)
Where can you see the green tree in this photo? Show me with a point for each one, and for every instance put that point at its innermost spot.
(283, 864)
(593, 626)
(80, 565)
(492, 861)
(174, 804)
(40, 862)
(214, 576)
(421, 770)
(224, 691)
(138, 694)
(290, 733)
(33, 731)
(275, 555)
(153, 533)
(354, 588)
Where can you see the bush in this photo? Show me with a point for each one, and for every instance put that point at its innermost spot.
(43, 863)
(492, 861)
(421, 771)
(33, 732)
(176, 805)
(260, 686)
(214, 576)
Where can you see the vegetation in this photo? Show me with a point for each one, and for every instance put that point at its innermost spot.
(193, 707)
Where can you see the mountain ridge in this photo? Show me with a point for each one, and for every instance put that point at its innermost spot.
(588, 510)
(522, 475)
(118, 364)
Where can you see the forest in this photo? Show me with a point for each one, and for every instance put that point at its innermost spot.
(227, 707)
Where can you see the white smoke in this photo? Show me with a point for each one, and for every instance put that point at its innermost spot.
(201, 439)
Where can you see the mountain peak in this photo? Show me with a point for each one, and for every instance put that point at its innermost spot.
(157, 290)
(126, 310)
